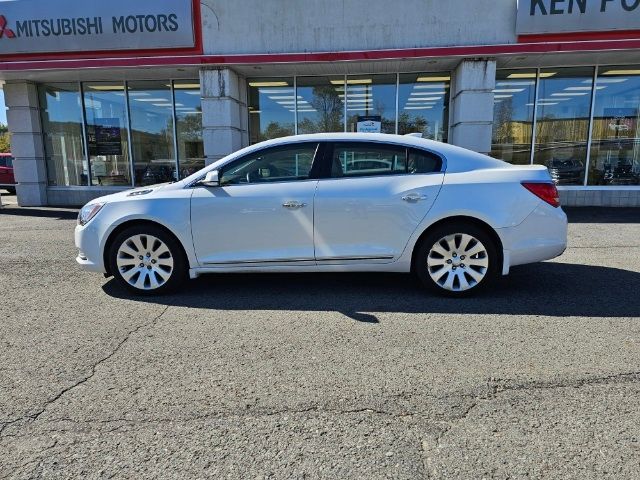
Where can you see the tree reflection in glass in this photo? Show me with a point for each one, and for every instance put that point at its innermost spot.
(320, 102)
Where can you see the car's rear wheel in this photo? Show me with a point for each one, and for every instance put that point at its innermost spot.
(147, 260)
(457, 259)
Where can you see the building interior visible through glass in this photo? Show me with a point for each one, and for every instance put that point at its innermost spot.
(394, 103)
(138, 133)
(586, 122)
(581, 122)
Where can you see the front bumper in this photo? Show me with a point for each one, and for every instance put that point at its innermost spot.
(89, 249)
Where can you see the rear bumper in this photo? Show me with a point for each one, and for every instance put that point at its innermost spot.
(541, 236)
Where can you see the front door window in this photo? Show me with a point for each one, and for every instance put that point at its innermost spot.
(283, 164)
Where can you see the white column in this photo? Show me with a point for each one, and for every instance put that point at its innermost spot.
(224, 112)
(23, 117)
(472, 104)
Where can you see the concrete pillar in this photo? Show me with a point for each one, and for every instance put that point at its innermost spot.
(225, 116)
(472, 104)
(23, 118)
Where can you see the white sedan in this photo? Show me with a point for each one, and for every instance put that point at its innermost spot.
(330, 203)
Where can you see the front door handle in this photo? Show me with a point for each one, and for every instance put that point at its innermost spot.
(293, 204)
(414, 197)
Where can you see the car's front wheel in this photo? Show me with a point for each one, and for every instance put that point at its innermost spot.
(457, 259)
(147, 260)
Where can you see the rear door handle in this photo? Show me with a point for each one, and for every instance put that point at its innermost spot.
(293, 204)
(414, 197)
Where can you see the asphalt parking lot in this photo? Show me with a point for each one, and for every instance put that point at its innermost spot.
(320, 376)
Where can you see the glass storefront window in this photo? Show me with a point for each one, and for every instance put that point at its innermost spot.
(272, 103)
(562, 124)
(423, 104)
(615, 145)
(371, 103)
(320, 102)
(152, 108)
(189, 126)
(61, 114)
(371, 98)
(151, 111)
(107, 133)
(513, 100)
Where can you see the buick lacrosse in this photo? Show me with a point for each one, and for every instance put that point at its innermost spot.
(330, 203)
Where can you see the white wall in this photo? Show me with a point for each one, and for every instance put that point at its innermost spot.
(282, 26)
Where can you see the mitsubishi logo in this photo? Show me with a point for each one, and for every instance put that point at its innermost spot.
(4, 30)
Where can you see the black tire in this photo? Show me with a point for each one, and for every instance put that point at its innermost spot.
(178, 272)
(456, 229)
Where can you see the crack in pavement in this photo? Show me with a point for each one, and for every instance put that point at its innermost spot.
(35, 461)
(221, 415)
(429, 445)
(34, 416)
(497, 387)
(494, 388)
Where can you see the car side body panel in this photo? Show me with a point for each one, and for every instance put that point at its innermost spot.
(370, 217)
(250, 223)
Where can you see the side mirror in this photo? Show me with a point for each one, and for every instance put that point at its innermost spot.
(211, 179)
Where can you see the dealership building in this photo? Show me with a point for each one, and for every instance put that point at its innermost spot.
(105, 96)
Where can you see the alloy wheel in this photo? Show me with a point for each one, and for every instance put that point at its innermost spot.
(145, 262)
(458, 262)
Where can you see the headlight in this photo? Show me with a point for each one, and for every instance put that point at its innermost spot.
(88, 212)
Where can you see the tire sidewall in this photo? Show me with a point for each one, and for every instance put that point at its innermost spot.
(421, 268)
(180, 268)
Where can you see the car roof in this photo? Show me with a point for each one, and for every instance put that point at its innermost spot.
(458, 159)
(408, 140)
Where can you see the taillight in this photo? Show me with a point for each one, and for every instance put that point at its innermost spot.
(546, 191)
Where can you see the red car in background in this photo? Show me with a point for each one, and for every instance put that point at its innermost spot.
(7, 181)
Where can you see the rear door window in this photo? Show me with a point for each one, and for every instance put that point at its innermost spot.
(360, 159)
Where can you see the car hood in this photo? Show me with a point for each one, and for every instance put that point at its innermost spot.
(141, 192)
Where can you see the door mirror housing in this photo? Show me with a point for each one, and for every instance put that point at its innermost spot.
(211, 179)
